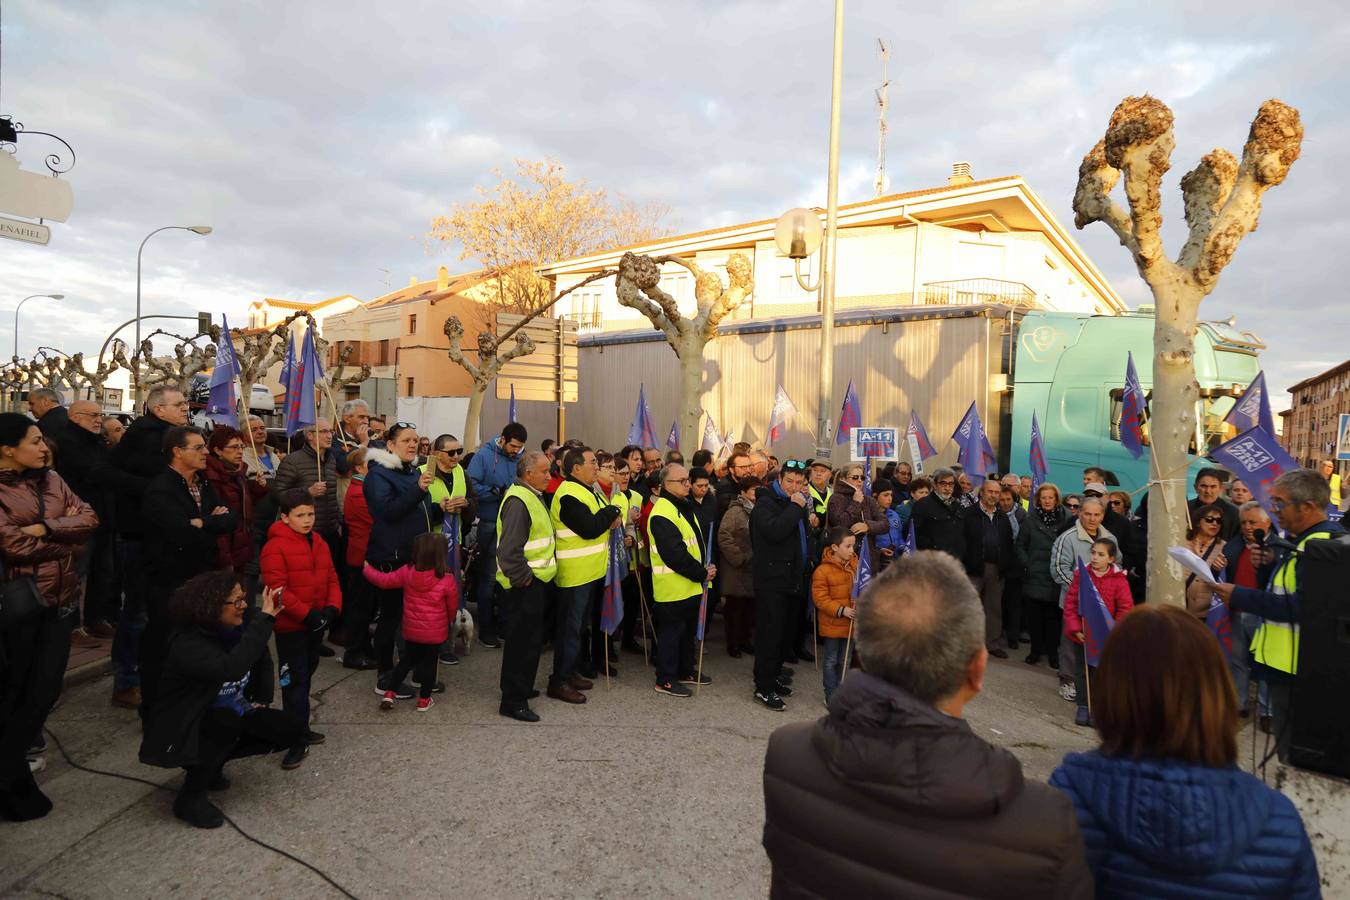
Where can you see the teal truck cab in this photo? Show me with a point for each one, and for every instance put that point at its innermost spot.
(1070, 369)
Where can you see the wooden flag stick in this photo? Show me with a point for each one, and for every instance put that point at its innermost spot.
(848, 645)
(698, 678)
(604, 639)
(642, 597)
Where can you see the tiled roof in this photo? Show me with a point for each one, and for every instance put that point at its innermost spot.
(424, 290)
(304, 307)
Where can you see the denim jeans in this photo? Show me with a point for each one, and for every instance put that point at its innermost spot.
(131, 621)
(1241, 664)
(574, 605)
(485, 584)
(831, 663)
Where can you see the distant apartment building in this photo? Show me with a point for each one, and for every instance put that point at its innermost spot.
(1310, 425)
(964, 243)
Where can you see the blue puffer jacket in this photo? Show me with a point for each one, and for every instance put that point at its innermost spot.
(491, 472)
(1165, 829)
(399, 509)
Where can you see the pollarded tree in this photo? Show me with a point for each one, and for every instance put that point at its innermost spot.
(1222, 202)
(639, 287)
(176, 371)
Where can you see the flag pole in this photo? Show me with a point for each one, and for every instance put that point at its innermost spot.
(848, 644)
(698, 679)
(642, 608)
(703, 627)
(604, 639)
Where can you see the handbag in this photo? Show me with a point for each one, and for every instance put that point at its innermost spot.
(20, 597)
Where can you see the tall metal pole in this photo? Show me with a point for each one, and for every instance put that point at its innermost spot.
(823, 431)
(136, 375)
(20, 306)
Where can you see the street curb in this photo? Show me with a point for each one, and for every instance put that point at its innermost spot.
(88, 672)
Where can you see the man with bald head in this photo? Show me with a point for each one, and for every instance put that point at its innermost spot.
(85, 462)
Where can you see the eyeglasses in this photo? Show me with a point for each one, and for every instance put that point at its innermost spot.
(1213, 520)
(853, 478)
(241, 603)
(1117, 503)
(609, 466)
(1071, 506)
(92, 415)
(946, 482)
(677, 481)
(412, 425)
(794, 465)
(233, 447)
(194, 448)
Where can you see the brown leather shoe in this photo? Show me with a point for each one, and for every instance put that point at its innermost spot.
(128, 699)
(566, 693)
(580, 684)
(102, 630)
(84, 640)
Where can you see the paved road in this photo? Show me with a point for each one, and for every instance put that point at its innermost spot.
(633, 794)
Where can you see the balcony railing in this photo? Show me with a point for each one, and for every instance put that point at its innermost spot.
(971, 291)
(587, 322)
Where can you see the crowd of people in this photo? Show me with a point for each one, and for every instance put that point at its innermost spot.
(196, 553)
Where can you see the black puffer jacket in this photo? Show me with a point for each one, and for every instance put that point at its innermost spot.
(140, 455)
(888, 797)
(775, 538)
(1034, 543)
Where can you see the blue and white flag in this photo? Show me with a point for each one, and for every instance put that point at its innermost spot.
(511, 407)
(1097, 621)
(1037, 454)
(976, 456)
(864, 574)
(711, 441)
(222, 406)
(1132, 411)
(782, 413)
(1257, 458)
(616, 569)
(1253, 407)
(850, 417)
(673, 438)
(642, 431)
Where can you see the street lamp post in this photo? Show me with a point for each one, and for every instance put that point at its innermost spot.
(798, 234)
(20, 306)
(195, 229)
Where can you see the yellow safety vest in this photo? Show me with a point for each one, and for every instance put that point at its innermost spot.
(539, 545)
(1335, 490)
(1275, 644)
(821, 503)
(667, 584)
(438, 490)
(580, 560)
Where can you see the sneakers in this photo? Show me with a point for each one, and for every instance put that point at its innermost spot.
(437, 688)
(36, 764)
(425, 703)
(315, 737)
(696, 679)
(770, 700)
(489, 641)
(102, 630)
(197, 811)
(84, 640)
(387, 701)
(292, 760)
(1083, 717)
(673, 688)
(449, 658)
(358, 661)
(128, 699)
(403, 691)
(783, 690)
(1067, 691)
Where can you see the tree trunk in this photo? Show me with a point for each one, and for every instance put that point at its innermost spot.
(691, 391)
(1171, 426)
(474, 414)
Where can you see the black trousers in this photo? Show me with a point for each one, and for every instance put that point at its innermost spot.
(522, 611)
(774, 609)
(98, 565)
(33, 656)
(390, 604)
(358, 609)
(421, 660)
(297, 658)
(225, 736)
(676, 622)
(1044, 621)
(1013, 610)
(154, 644)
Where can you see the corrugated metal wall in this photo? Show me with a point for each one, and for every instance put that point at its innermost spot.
(935, 365)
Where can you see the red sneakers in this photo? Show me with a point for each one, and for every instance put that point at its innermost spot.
(425, 703)
(387, 701)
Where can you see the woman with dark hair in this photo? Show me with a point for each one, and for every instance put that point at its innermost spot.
(1046, 520)
(1164, 810)
(1205, 541)
(226, 472)
(42, 525)
(215, 688)
(736, 571)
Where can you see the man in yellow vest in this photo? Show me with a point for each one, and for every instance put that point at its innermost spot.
(451, 491)
(1299, 499)
(526, 568)
(581, 522)
(679, 573)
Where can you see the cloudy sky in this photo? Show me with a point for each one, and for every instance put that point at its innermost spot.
(319, 139)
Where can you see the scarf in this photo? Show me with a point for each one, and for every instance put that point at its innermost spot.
(1049, 516)
(801, 523)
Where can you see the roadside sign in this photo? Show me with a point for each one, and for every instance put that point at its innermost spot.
(873, 442)
(27, 232)
(549, 373)
(1343, 439)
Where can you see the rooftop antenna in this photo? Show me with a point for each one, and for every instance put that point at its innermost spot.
(883, 102)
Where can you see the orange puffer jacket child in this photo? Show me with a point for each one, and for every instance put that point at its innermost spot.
(429, 600)
(301, 565)
(831, 590)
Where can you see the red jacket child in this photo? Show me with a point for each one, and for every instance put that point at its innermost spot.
(429, 600)
(358, 519)
(1115, 590)
(302, 566)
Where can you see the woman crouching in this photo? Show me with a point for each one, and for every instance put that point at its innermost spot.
(217, 683)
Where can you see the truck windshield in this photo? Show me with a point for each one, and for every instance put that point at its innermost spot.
(1211, 430)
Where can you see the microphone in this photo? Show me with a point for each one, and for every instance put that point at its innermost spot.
(1260, 535)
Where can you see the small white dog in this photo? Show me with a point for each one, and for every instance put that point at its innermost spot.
(461, 631)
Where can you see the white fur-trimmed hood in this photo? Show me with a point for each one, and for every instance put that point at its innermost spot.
(383, 458)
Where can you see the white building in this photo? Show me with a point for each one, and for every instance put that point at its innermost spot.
(968, 241)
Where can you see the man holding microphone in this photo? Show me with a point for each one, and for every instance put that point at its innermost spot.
(780, 558)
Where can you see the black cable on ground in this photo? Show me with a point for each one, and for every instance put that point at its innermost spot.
(163, 787)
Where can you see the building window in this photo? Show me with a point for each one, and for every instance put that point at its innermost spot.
(410, 386)
(412, 324)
